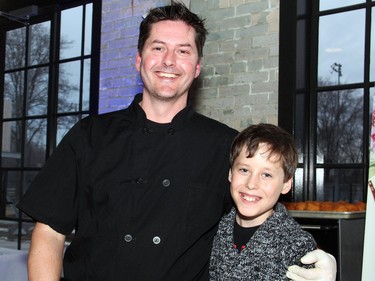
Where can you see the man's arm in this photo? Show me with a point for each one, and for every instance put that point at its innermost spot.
(46, 254)
(325, 267)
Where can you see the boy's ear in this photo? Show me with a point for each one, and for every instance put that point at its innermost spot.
(287, 186)
(230, 175)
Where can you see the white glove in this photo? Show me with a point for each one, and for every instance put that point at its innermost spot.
(325, 267)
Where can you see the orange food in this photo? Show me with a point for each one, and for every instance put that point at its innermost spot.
(361, 205)
(313, 206)
(326, 206)
(300, 206)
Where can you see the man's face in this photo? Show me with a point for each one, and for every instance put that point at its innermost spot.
(256, 184)
(169, 61)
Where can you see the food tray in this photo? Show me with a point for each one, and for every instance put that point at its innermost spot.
(327, 215)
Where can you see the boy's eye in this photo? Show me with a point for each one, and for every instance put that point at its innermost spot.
(243, 170)
(266, 175)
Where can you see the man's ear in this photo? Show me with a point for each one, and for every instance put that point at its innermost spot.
(198, 69)
(138, 60)
(230, 175)
(287, 186)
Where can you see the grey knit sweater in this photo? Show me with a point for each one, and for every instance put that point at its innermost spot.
(277, 243)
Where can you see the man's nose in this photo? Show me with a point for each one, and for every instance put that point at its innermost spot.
(169, 58)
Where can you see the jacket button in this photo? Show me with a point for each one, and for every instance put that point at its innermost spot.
(156, 240)
(166, 182)
(128, 238)
(170, 131)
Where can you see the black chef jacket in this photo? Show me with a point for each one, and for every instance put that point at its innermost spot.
(144, 198)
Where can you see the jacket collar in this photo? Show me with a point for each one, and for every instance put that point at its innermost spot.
(178, 121)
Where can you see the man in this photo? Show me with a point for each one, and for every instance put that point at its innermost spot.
(144, 188)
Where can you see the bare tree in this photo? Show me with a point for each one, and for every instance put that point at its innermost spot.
(28, 88)
(339, 125)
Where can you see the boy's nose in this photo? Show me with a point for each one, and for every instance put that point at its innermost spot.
(252, 183)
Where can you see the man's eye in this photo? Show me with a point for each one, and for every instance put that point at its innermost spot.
(243, 170)
(184, 52)
(266, 175)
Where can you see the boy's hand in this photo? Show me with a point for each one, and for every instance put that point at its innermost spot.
(325, 267)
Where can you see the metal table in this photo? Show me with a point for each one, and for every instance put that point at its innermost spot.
(13, 265)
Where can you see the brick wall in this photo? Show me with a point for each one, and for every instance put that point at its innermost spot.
(239, 82)
(119, 80)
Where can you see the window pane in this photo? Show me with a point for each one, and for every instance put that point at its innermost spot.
(298, 185)
(372, 59)
(11, 146)
(88, 29)
(339, 127)
(15, 48)
(299, 134)
(331, 4)
(13, 94)
(341, 48)
(69, 80)
(64, 124)
(8, 234)
(301, 55)
(37, 91)
(340, 184)
(71, 33)
(12, 185)
(28, 177)
(39, 43)
(86, 85)
(301, 7)
(35, 144)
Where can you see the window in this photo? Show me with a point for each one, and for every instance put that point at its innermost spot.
(326, 87)
(50, 73)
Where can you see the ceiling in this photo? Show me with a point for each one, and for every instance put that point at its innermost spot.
(7, 6)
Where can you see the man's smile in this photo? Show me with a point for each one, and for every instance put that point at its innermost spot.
(167, 75)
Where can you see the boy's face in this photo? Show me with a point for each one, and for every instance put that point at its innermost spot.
(256, 184)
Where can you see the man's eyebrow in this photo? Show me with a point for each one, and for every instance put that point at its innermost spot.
(186, 45)
(156, 41)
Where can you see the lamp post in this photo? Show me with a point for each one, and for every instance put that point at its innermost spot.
(336, 67)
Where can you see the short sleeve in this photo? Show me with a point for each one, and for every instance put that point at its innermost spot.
(52, 196)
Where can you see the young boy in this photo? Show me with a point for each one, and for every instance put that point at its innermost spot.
(257, 240)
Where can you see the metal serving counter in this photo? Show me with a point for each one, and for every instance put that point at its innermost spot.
(327, 215)
(338, 233)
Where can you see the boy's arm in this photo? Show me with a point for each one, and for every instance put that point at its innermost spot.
(325, 267)
(46, 254)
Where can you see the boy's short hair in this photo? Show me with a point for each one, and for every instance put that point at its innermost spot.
(177, 11)
(279, 141)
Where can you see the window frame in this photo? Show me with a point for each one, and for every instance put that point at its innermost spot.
(52, 14)
(289, 64)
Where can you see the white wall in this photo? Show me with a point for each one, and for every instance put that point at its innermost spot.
(368, 268)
